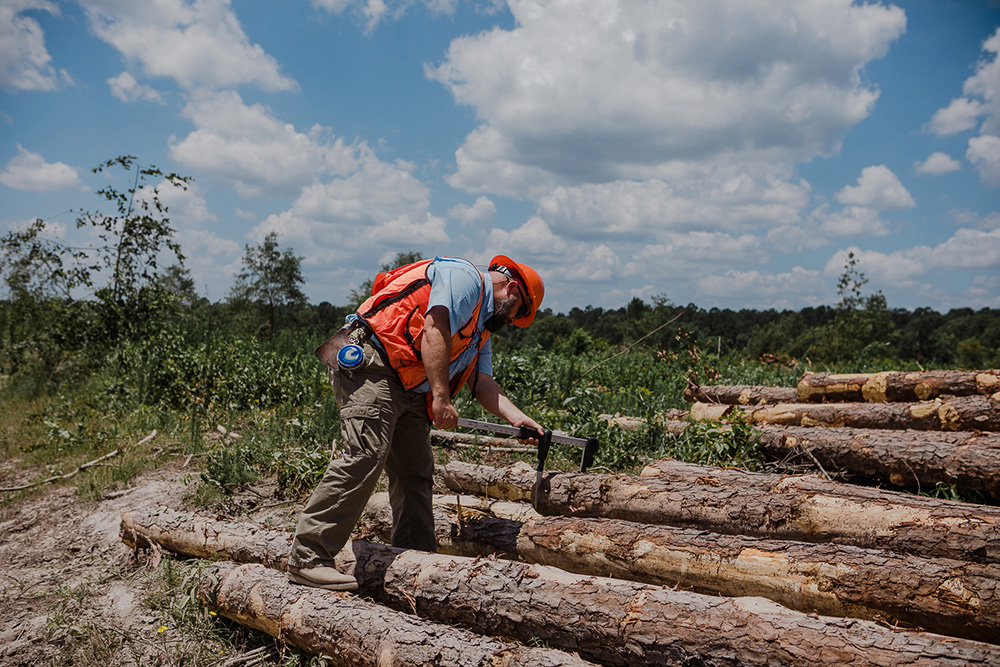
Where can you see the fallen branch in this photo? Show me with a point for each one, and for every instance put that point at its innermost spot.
(89, 464)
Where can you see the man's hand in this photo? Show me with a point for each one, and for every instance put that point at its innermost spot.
(445, 413)
(532, 424)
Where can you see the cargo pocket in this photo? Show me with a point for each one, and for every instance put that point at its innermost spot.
(365, 430)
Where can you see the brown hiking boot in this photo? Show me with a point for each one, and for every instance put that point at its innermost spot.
(322, 577)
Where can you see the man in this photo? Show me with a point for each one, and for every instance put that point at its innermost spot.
(425, 334)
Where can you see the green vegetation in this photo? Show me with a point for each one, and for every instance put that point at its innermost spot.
(144, 352)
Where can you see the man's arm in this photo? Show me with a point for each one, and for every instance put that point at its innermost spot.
(491, 396)
(436, 351)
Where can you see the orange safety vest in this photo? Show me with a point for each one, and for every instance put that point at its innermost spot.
(395, 313)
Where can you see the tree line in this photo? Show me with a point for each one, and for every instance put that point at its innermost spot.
(48, 329)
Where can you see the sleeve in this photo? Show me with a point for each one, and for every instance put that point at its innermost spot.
(455, 285)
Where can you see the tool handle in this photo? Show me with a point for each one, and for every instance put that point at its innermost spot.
(544, 442)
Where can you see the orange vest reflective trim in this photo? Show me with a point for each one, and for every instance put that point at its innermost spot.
(395, 313)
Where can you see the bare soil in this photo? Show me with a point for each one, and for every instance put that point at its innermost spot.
(66, 576)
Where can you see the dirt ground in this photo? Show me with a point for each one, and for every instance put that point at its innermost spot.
(65, 573)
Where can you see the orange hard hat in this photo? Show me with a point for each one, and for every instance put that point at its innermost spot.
(532, 282)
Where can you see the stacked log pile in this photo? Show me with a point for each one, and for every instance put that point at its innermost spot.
(915, 430)
(683, 564)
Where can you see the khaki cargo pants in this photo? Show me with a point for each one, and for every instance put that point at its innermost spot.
(382, 426)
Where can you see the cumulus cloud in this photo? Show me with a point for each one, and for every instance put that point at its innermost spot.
(258, 154)
(364, 214)
(854, 221)
(127, 89)
(877, 188)
(374, 11)
(30, 171)
(980, 100)
(759, 289)
(984, 154)
(481, 211)
(966, 250)
(716, 199)
(961, 115)
(590, 92)
(937, 163)
(25, 63)
(198, 44)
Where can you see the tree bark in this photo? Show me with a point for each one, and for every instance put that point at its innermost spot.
(199, 537)
(941, 595)
(628, 623)
(969, 461)
(951, 413)
(353, 632)
(896, 385)
(945, 596)
(756, 504)
(740, 394)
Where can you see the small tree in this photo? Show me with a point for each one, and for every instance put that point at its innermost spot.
(270, 278)
(49, 280)
(860, 320)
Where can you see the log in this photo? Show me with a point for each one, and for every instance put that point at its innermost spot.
(489, 443)
(623, 623)
(740, 394)
(968, 461)
(802, 508)
(200, 537)
(945, 596)
(349, 631)
(896, 385)
(950, 413)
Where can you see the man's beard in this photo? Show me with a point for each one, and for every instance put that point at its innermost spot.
(502, 309)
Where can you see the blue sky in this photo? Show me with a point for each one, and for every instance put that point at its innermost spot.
(725, 153)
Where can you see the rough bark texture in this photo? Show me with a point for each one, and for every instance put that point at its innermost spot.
(757, 504)
(951, 413)
(944, 596)
(916, 460)
(740, 394)
(896, 385)
(353, 632)
(940, 595)
(199, 537)
(489, 443)
(628, 623)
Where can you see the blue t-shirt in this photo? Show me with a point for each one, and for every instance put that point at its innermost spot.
(455, 284)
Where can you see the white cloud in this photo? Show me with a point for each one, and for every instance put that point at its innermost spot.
(961, 115)
(378, 207)
(877, 188)
(597, 91)
(198, 44)
(758, 289)
(30, 171)
(374, 11)
(127, 89)
(481, 211)
(937, 163)
(715, 199)
(967, 249)
(981, 100)
(854, 221)
(250, 148)
(25, 63)
(984, 154)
